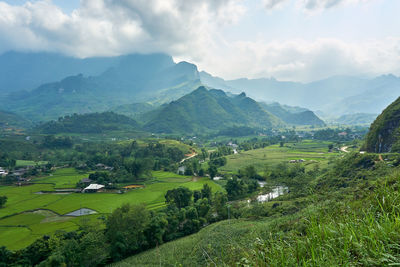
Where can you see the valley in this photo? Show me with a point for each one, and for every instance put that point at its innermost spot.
(141, 160)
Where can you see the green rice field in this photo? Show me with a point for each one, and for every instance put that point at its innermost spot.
(312, 152)
(29, 215)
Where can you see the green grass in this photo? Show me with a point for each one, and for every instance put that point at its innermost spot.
(330, 231)
(274, 154)
(63, 178)
(23, 199)
(23, 163)
(207, 247)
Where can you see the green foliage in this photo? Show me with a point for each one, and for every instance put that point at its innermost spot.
(50, 141)
(180, 197)
(125, 230)
(88, 123)
(3, 201)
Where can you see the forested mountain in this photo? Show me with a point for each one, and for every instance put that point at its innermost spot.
(336, 95)
(384, 133)
(135, 78)
(208, 110)
(89, 123)
(293, 115)
(134, 109)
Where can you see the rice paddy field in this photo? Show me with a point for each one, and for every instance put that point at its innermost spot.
(29, 215)
(312, 152)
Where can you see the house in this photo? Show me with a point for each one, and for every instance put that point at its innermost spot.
(343, 134)
(93, 188)
(181, 170)
(3, 172)
(104, 167)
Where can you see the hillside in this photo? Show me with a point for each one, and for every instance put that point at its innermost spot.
(208, 110)
(293, 115)
(328, 227)
(8, 119)
(136, 78)
(356, 119)
(134, 109)
(384, 133)
(88, 123)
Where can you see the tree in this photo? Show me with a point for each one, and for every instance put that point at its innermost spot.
(3, 200)
(201, 172)
(212, 170)
(125, 230)
(206, 192)
(180, 196)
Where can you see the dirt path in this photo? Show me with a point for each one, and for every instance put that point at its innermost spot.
(344, 149)
(194, 154)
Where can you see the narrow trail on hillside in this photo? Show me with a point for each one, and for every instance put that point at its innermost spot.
(194, 154)
(344, 149)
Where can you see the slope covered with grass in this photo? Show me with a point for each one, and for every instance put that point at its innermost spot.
(349, 217)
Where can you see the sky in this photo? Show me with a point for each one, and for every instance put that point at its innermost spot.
(292, 40)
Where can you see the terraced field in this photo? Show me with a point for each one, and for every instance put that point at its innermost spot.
(29, 215)
(312, 152)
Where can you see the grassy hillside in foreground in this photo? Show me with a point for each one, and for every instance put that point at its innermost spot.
(346, 221)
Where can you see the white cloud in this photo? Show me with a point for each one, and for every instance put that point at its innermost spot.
(271, 4)
(111, 27)
(312, 4)
(301, 60)
(190, 30)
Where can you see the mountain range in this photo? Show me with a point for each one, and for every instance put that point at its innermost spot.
(45, 86)
(332, 97)
(133, 78)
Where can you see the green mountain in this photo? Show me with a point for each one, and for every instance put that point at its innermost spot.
(293, 115)
(89, 123)
(134, 110)
(11, 120)
(384, 133)
(136, 78)
(356, 119)
(208, 110)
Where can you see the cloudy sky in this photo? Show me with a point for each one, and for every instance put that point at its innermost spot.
(299, 40)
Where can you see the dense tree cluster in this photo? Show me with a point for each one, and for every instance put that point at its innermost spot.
(88, 123)
(3, 201)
